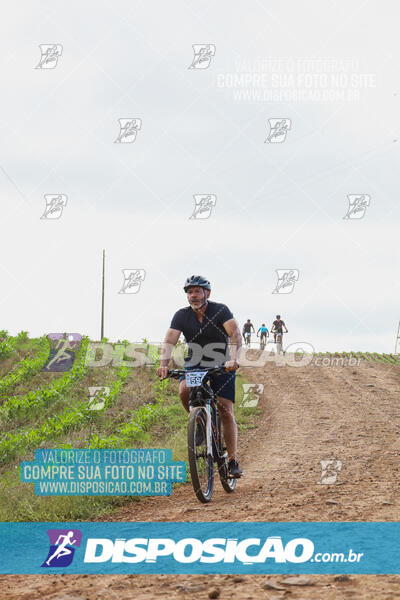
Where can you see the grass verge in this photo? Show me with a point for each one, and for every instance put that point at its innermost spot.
(160, 422)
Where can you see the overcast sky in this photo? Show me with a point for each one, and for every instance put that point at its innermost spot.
(203, 131)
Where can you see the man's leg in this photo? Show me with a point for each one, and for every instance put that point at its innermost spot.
(225, 408)
(184, 393)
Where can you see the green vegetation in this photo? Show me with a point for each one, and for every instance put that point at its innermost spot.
(26, 367)
(140, 411)
(375, 356)
(23, 406)
(13, 445)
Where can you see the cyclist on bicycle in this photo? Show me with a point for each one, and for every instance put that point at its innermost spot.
(246, 332)
(277, 326)
(205, 324)
(264, 332)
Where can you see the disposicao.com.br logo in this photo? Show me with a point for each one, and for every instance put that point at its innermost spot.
(249, 551)
(191, 550)
(204, 548)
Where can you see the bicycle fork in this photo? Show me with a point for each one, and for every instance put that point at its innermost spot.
(208, 419)
(209, 431)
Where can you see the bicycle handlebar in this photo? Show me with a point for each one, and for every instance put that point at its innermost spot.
(176, 373)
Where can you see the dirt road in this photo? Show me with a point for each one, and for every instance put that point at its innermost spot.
(308, 414)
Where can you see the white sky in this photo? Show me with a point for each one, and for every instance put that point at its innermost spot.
(278, 205)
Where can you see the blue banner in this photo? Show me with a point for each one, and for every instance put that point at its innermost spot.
(190, 548)
(103, 472)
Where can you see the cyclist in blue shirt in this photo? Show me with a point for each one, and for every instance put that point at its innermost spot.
(264, 333)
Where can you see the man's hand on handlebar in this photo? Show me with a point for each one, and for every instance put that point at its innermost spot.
(162, 372)
(231, 365)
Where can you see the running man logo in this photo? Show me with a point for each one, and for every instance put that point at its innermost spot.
(251, 394)
(286, 280)
(61, 551)
(203, 54)
(357, 206)
(132, 280)
(55, 204)
(203, 204)
(128, 129)
(278, 129)
(330, 470)
(50, 53)
(97, 395)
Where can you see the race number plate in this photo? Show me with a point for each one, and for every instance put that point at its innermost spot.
(194, 378)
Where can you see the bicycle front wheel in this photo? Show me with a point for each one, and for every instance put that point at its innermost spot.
(201, 466)
(228, 483)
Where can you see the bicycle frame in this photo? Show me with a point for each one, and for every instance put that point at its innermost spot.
(209, 399)
(207, 410)
(203, 405)
(247, 338)
(278, 341)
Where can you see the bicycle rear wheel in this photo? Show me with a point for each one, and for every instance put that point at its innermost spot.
(201, 466)
(227, 483)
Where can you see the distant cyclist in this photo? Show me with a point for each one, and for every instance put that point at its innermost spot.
(277, 326)
(246, 332)
(263, 331)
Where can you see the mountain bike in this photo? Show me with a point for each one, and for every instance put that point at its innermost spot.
(279, 336)
(247, 338)
(278, 339)
(205, 440)
(263, 341)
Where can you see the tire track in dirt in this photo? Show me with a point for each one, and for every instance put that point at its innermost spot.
(308, 414)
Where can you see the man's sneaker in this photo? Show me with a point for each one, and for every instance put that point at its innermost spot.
(234, 470)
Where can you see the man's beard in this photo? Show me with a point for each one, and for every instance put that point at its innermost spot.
(198, 304)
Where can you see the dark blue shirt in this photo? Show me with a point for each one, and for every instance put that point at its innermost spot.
(278, 325)
(207, 340)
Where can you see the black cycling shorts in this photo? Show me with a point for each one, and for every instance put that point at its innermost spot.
(222, 385)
